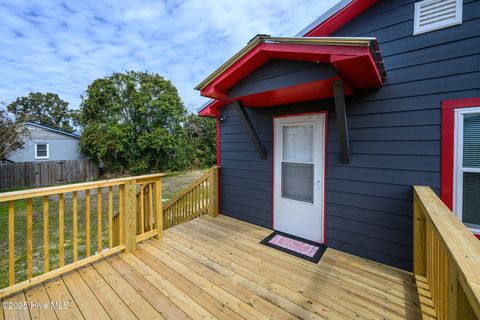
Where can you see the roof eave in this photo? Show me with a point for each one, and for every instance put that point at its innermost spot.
(332, 41)
(73, 135)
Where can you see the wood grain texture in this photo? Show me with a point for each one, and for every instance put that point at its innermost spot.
(61, 230)
(11, 242)
(110, 217)
(29, 238)
(87, 222)
(75, 225)
(215, 268)
(46, 245)
(446, 254)
(99, 220)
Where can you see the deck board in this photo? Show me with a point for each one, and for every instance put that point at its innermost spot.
(215, 268)
(88, 304)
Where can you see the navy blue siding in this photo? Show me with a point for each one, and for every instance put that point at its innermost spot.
(394, 135)
(277, 73)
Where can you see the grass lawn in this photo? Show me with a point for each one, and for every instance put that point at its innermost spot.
(171, 185)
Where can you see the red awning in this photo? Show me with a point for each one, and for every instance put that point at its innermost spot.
(357, 61)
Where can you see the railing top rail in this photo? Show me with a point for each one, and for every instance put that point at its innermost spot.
(461, 244)
(46, 191)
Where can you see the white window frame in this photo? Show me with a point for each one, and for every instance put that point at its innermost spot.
(48, 151)
(417, 29)
(458, 168)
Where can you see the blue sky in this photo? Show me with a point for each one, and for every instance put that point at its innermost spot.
(61, 47)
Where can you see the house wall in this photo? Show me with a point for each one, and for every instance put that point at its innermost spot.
(61, 147)
(394, 136)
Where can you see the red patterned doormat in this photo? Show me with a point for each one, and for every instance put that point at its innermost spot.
(296, 246)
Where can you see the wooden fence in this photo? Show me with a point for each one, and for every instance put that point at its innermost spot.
(126, 210)
(45, 173)
(446, 261)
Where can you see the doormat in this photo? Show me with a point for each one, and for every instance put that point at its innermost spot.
(296, 246)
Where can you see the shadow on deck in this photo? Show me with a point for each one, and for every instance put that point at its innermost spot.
(214, 268)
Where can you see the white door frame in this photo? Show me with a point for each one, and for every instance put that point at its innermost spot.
(322, 167)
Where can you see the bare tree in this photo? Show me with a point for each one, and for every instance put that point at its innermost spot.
(12, 134)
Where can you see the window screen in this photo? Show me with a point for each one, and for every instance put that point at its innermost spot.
(471, 199)
(470, 202)
(297, 181)
(41, 150)
(471, 140)
(297, 164)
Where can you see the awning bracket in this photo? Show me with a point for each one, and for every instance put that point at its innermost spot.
(341, 115)
(250, 130)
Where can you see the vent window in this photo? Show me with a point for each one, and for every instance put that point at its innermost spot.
(432, 15)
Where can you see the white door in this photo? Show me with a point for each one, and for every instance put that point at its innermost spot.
(299, 176)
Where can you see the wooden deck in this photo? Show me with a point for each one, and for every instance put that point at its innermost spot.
(212, 268)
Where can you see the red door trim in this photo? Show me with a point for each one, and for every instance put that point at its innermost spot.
(325, 112)
(448, 145)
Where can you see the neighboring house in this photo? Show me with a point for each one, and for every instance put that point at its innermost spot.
(43, 143)
(324, 134)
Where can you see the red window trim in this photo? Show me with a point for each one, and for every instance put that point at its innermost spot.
(448, 145)
(325, 112)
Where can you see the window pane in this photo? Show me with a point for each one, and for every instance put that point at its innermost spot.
(41, 150)
(297, 181)
(471, 199)
(298, 143)
(471, 140)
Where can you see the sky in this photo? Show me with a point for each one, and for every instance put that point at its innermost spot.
(62, 46)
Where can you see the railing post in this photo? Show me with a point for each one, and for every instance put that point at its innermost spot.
(130, 221)
(452, 290)
(213, 192)
(419, 240)
(159, 207)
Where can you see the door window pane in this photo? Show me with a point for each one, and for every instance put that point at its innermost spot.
(471, 199)
(298, 143)
(297, 181)
(471, 140)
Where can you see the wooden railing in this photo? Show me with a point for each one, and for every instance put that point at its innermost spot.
(124, 211)
(197, 199)
(446, 260)
(114, 205)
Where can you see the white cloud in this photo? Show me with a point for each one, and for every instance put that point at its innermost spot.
(62, 47)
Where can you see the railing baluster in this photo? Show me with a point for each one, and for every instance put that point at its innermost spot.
(121, 211)
(192, 210)
(142, 211)
(46, 248)
(150, 210)
(87, 222)
(75, 225)
(110, 217)
(118, 229)
(61, 239)
(159, 208)
(11, 242)
(195, 202)
(99, 220)
(29, 239)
